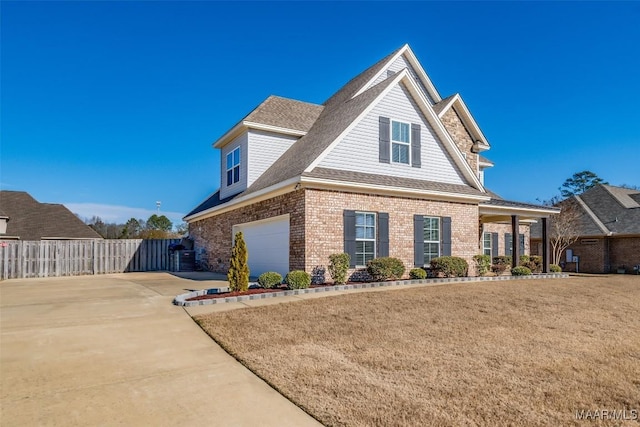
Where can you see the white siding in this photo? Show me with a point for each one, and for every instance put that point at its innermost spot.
(397, 66)
(358, 151)
(264, 149)
(240, 141)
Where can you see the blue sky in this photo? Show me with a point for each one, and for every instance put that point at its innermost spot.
(108, 107)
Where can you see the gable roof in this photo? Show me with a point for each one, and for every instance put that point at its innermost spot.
(408, 54)
(340, 112)
(32, 220)
(333, 120)
(278, 114)
(606, 210)
(614, 207)
(456, 102)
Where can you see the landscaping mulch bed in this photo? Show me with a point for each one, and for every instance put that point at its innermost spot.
(249, 292)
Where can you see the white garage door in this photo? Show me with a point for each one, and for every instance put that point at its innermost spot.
(268, 244)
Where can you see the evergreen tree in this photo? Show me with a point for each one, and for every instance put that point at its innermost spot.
(579, 183)
(238, 274)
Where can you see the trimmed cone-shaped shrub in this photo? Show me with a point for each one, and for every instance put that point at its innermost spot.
(555, 268)
(417, 273)
(520, 271)
(449, 266)
(298, 279)
(269, 279)
(338, 267)
(238, 274)
(385, 268)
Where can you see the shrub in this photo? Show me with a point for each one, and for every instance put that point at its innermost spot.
(501, 263)
(238, 274)
(534, 264)
(385, 268)
(502, 260)
(524, 259)
(555, 268)
(483, 263)
(298, 279)
(499, 268)
(338, 267)
(449, 266)
(520, 271)
(417, 273)
(270, 279)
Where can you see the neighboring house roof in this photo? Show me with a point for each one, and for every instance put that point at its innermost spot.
(32, 220)
(605, 210)
(614, 207)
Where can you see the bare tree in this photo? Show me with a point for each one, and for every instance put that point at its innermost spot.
(564, 228)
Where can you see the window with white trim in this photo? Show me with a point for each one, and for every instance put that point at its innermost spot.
(431, 238)
(486, 244)
(233, 167)
(400, 142)
(365, 237)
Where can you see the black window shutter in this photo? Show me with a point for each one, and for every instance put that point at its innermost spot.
(418, 240)
(384, 136)
(383, 234)
(446, 236)
(350, 235)
(416, 162)
(508, 249)
(521, 244)
(494, 245)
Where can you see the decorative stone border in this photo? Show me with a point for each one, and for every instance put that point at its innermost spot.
(182, 298)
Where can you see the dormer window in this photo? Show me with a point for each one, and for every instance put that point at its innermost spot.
(233, 167)
(400, 142)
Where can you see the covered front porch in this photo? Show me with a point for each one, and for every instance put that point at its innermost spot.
(515, 214)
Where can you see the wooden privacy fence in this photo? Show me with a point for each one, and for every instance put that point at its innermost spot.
(50, 258)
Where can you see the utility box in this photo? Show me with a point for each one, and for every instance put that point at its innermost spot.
(182, 261)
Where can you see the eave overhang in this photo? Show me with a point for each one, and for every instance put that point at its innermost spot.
(245, 125)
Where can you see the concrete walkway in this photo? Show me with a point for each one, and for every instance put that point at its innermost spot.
(113, 350)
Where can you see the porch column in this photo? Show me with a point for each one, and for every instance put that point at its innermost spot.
(515, 240)
(545, 245)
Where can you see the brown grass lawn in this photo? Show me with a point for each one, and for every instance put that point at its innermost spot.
(530, 352)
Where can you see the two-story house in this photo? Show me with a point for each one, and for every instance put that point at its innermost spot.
(385, 167)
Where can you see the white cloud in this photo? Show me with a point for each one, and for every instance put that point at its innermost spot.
(119, 214)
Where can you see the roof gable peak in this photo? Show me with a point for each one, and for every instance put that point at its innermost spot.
(413, 62)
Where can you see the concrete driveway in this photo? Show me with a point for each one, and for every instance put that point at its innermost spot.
(112, 350)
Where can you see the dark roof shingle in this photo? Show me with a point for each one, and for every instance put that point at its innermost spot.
(285, 113)
(32, 220)
(374, 179)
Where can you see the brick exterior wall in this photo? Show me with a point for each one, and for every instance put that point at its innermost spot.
(325, 230)
(604, 254)
(317, 229)
(503, 229)
(460, 136)
(215, 234)
(625, 251)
